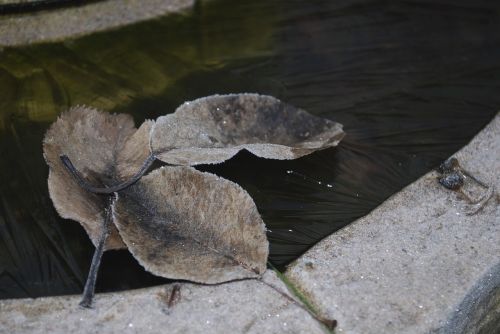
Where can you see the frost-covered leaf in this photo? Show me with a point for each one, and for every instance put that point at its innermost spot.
(105, 148)
(184, 224)
(213, 129)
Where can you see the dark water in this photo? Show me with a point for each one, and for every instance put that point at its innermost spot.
(412, 82)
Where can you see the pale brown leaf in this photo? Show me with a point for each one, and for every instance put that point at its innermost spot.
(95, 142)
(214, 128)
(184, 224)
(134, 152)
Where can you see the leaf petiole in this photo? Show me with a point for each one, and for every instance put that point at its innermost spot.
(89, 290)
(105, 190)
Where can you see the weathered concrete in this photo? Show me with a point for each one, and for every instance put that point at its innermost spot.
(76, 21)
(418, 263)
(9, 2)
(239, 307)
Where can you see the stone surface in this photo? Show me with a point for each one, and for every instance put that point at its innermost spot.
(67, 22)
(247, 306)
(418, 263)
(11, 2)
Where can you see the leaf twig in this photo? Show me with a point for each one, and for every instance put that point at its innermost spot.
(89, 290)
(105, 190)
(175, 295)
(299, 300)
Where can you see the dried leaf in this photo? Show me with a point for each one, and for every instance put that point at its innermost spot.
(95, 142)
(184, 224)
(214, 128)
(135, 151)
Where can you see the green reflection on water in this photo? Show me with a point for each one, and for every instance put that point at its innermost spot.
(109, 70)
(40, 253)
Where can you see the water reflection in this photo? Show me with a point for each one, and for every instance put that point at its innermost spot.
(411, 81)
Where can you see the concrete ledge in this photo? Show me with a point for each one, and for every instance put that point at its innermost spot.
(239, 307)
(62, 23)
(418, 263)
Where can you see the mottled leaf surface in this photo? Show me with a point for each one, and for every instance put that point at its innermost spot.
(184, 224)
(214, 128)
(95, 142)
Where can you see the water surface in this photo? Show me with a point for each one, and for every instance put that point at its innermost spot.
(412, 82)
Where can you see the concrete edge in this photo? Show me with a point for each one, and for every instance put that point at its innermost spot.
(478, 312)
(480, 309)
(70, 22)
(245, 306)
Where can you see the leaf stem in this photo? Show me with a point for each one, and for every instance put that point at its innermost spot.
(300, 301)
(105, 190)
(89, 290)
(482, 184)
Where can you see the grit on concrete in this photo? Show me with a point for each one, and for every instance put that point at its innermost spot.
(52, 25)
(247, 306)
(418, 263)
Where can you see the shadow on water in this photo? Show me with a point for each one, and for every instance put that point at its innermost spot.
(411, 81)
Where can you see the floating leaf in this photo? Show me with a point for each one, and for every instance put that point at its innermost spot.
(184, 224)
(101, 147)
(134, 152)
(215, 128)
(177, 222)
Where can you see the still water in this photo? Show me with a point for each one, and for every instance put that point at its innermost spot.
(412, 82)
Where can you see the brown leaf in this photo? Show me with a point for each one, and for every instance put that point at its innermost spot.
(95, 142)
(214, 128)
(184, 224)
(134, 152)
